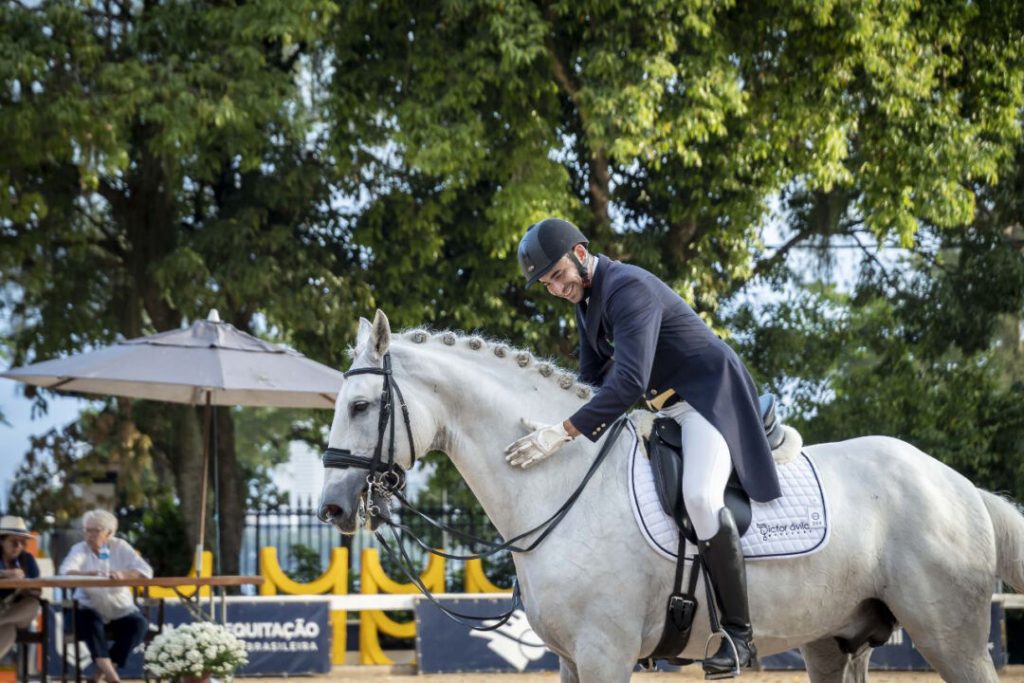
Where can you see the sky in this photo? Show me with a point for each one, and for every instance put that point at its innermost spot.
(14, 436)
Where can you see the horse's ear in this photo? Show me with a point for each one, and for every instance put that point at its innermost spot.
(381, 335)
(363, 335)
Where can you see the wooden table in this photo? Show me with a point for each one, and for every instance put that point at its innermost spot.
(192, 603)
(74, 581)
(219, 583)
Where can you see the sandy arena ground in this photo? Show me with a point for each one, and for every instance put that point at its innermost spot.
(360, 674)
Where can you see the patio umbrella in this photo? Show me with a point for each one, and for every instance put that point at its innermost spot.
(210, 363)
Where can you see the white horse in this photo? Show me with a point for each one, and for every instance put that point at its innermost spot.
(908, 533)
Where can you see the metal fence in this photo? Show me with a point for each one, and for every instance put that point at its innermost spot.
(296, 532)
(289, 527)
(285, 528)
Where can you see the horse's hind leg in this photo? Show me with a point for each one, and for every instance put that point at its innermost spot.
(957, 651)
(952, 635)
(826, 663)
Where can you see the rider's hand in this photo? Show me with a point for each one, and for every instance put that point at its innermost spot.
(537, 445)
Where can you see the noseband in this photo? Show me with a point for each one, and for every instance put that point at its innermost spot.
(388, 477)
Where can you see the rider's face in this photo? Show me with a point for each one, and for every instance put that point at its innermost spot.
(564, 279)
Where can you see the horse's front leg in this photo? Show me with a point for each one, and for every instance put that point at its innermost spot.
(567, 671)
(602, 660)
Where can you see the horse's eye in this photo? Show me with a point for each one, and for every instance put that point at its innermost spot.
(360, 407)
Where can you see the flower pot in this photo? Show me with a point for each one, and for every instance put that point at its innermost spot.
(204, 678)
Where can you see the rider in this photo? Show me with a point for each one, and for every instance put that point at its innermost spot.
(639, 339)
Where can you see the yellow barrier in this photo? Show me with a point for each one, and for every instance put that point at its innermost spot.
(373, 622)
(187, 591)
(334, 581)
(477, 582)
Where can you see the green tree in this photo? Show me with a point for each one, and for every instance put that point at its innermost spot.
(297, 163)
(160, 160)
(669, 132)
(99, 443)
(929, 350)
(665, 129)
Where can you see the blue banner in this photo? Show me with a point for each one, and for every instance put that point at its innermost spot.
(281, 637)
(445, 646)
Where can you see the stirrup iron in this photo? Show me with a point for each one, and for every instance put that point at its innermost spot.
(726, 638)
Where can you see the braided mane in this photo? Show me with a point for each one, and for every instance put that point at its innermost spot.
(501, 351)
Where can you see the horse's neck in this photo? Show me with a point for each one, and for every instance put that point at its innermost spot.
(481, 411)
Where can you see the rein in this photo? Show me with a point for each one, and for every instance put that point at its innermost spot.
(388, 481)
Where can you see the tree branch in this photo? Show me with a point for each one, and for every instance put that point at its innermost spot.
(599, 175)
(764, 265)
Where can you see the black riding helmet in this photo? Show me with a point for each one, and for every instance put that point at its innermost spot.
(544, 244)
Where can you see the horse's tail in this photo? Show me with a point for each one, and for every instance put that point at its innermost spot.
(1009, 525)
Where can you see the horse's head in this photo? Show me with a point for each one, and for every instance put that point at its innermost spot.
(460, 395)
(370, 446)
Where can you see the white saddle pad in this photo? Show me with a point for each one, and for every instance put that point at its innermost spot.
(793, 525)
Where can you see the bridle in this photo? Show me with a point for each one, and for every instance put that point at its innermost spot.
(387, 480)
(384, 479)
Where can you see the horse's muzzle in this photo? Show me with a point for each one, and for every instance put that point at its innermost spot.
(327, 513)
(336, 516)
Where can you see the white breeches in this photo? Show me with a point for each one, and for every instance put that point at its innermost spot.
(706, 467)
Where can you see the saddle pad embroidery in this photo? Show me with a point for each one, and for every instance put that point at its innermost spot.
(795, 524)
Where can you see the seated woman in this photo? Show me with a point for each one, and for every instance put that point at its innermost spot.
(18, 607)
(100, 608)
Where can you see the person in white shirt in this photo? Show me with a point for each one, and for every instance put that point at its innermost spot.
(103, 608)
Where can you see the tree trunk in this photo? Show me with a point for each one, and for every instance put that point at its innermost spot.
(232, 494)
(186, 460)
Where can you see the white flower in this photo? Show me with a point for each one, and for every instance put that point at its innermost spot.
(195, 649)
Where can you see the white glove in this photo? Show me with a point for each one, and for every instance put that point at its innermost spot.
(537, 445)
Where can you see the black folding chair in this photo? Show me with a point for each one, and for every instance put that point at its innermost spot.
(25, 638)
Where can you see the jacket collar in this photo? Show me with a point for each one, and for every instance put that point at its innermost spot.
(592, 319)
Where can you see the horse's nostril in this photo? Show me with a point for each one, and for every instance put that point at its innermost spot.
(328, 512)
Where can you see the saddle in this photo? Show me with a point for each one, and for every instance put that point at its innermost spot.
(665, 450)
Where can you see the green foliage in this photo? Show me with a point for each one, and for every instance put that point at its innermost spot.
(159, 536)
(263, 435)
(664, 129)
(305, 565)
(933, 356)
(297, 163)
(162, 159)
(99, 444)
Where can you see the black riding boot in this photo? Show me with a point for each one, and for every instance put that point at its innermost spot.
(728, 572)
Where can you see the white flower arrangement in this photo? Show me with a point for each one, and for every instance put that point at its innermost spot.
(195, 649)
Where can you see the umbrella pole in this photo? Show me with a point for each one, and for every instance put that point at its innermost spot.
(202, 496)
(216, 494)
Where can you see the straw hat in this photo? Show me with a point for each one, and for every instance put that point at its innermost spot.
(13, 526)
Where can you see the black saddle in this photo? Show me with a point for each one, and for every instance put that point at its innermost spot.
(665, 450)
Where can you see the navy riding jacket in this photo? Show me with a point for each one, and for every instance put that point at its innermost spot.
(638, 338)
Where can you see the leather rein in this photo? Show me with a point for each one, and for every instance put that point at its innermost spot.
(387, 480)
